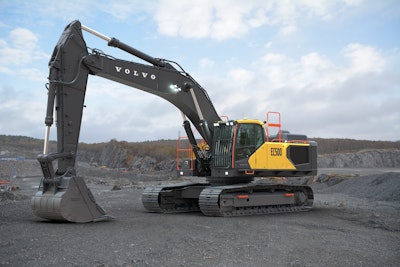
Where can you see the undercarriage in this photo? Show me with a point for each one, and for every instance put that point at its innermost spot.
(228, 200)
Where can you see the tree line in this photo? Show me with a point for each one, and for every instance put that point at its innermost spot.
(166, 149)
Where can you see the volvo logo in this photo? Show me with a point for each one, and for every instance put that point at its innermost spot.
(144, 75)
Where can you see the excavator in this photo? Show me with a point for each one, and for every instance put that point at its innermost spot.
(236, 151)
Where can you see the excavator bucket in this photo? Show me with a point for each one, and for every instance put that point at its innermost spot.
(70, 201)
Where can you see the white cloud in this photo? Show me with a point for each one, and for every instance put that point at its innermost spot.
(20, 48)
(125, 10)
(192, 19)
(287, 30)
(364, 58)
(33, 74)
(226, 19)
(241, 77)
(232, 20)
(216, 19)
(18, 113)
(199, 19)
(316, 95)
(206, 63)
(65, 10)
(321, 9)
(316, 69)
(6, 70)
(23, 39)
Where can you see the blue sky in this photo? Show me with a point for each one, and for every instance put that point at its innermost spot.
(332, 68)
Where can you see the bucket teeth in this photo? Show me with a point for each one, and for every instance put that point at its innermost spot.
(71, 201)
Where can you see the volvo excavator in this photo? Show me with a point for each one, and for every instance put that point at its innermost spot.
(236, 151)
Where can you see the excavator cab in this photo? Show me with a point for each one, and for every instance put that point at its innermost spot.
(249, 137)
(242, 150)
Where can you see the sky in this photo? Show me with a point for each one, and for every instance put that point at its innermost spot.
(331, 68)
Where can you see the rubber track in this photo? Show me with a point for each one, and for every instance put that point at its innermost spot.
(209, 200)
(150, 198)
(152, 201)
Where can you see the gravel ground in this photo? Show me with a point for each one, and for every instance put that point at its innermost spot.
(348, 226)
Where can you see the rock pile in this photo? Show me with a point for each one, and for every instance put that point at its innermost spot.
(377, 158)
(378, 187)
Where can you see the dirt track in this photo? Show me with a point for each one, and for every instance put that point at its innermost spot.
(341, 230)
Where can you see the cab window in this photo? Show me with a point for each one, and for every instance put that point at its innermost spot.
(249, 137)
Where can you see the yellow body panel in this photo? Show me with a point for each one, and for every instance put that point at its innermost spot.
(272, 156)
